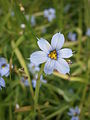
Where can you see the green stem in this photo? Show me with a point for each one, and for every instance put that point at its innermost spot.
(59, 13)
(79, 34)
(37, 88)
(10, 112)
(23, 64)
(86, 9)
(58, 112)
(84, 95)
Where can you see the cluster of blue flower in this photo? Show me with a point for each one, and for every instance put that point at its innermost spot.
(4, 71)
(50, 14)
(34, 69)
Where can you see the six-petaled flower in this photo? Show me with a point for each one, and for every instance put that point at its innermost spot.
(52, 54)
(74, 113)
(72, 36)
(49, 14)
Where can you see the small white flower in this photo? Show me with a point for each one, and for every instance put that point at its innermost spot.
(23, 26)
(33, 21)
(50, 14)
(88, 32)
(72, 36)
(17, 106)
(52, 54)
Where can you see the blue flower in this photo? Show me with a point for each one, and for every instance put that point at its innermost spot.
(25, 81)
(72, 36)
(33, 21)
(4, 67)
(34, 81)
(33, 68)
(88, 32)
(50, 14)
(2, 83)
(74, 113)
(52, 54)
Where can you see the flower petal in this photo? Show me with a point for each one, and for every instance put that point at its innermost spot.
(52, 11)
(5, 70)
(38, 57)
(57, 41)
(71, 112)
(46, 13)
(77, 110)
(51, 17)
(75, 118)
(34, 83)
(65, 53)
(44, 45)
(62, 66)
(2, 82)
(49, 66)
(2, 61)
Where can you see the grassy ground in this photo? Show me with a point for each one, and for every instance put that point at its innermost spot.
(61, 92)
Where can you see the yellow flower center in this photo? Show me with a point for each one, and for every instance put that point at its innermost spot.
(53, 55)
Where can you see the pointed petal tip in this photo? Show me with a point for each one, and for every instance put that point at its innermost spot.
(44, 45)
(57, 41)
(37, 38)
(73, 52)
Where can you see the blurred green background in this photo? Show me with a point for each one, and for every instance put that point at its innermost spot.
(18, 41)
